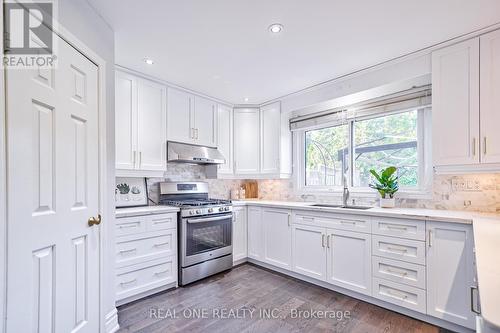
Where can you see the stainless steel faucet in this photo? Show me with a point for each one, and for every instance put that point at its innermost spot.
(345, 193)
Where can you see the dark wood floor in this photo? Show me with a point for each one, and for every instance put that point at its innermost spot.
(249, 288)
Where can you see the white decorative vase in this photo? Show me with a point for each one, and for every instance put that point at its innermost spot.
(387, 203)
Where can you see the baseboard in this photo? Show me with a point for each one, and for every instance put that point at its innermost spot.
(111, 321)
(410, 313)
(239, 262)
(144, 294)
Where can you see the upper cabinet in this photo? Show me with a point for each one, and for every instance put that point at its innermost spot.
(270, 118)
(192, 119)
(141, 126)
(246, 141)
(465, 79)
(225, 137)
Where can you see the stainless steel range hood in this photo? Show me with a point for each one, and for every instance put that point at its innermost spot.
(186, 153)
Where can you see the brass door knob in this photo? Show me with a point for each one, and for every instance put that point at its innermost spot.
(94, 221)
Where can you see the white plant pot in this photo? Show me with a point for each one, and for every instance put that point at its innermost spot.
(387, 203)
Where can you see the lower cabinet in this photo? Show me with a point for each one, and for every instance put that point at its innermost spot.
(255, 243)
(277, 229)
(239, 233)
(309, 251)
(450, 273)
(349, 260)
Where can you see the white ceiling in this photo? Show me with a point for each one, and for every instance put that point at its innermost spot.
(222, 48)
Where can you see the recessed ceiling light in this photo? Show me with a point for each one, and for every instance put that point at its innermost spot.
(149, 61)
(275, 28)
(246, 99)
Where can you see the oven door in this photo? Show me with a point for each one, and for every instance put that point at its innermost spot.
(205, 238)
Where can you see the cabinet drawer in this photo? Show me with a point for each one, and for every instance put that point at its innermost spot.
(130, 225)
(161, 221)
(399, 294)
(132, 250)
(143, 277)
(412, 229)
(399, 271)
(337, 221)
(398, 248)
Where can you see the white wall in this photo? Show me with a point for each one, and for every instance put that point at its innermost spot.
(81, 20)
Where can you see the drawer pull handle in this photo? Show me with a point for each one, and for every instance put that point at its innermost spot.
(127, 251)
(348, 222)
(396, 294)
(308, 218)
(323, 240)
(161, 244)
(162, 221)
(401, 273)
(128, 282)
(397, 249)
(128, 225)
(162, 272)
(393, 227)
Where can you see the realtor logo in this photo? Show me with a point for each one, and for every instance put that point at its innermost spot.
(28, 37)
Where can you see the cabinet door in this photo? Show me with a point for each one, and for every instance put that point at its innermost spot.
(125, 121)
(239, 233)
(151, 126)
(246, 141)
(255, 233)
(225, 137)
(349, 260)
(270, 126)
(455, 104)
(490, 97)
(450, 272)
(205, 122)
(276, 224)
(180, 116)
(309, 251)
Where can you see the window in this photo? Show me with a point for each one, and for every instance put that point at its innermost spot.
(371, 142)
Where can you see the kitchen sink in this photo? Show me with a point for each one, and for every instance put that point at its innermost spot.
(342, 206)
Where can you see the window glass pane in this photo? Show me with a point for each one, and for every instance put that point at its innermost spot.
(326, 155)
(386, 141)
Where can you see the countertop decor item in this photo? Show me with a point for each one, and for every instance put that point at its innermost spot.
(251, 189)
(387, 185)
(131, 192)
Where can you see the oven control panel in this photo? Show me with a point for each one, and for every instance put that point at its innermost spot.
(199, 211)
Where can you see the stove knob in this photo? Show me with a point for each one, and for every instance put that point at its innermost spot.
(226, 209)
(198, 211)
(221, 209)
(210, 210)
(191, 212)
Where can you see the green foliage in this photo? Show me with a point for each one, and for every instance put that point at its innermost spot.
(387, 182)
(123, 188)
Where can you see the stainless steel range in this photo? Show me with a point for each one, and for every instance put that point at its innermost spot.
(204, 230)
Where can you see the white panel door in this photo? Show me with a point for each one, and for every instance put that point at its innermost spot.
(309, 251)
(349, 260)
(225, 138)
(239, 233)
(255, 233)
(276, 224)
(53, 254)
(205, 122)
(246, 141)
(490, 97)
(152, 126)
(180, 106)
(450, 272)
(125, 121)
(270, 126)
(455, 104)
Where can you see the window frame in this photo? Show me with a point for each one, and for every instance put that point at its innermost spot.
(424, 150)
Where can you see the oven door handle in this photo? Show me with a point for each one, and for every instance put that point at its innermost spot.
(209, 219)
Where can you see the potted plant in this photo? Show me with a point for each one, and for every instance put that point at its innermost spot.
(386, 185)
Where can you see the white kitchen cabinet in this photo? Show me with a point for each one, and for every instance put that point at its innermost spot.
(125, 121)
(246, 141)
(490, 97)
(180, 105)
(349, 260)
(455, 104)
(239, 233)
(270, 130)
(225, 138)
(255, 233)
(141, 125)
(450, 272)
(309, 251)
(276, 225)
(205, 122)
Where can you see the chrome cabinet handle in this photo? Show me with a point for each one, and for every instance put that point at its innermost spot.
(394, 227)
(396, 294)
(162, 272)
(484, 145)
(128, 282)
(472, 307)
(127, 251)
(289, 218)
(161, 244)
(398, 249)
(328, 241)
(401, 273)
(429, 238)
(473, 146)
(323, 240)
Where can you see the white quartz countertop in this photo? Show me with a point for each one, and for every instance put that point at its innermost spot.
(487, 244)
(413, 213)
(144, 210)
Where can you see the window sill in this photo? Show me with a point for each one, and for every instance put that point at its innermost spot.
(364, 193)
